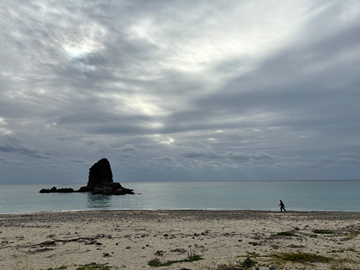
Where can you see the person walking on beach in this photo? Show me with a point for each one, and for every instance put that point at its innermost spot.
(282, 206)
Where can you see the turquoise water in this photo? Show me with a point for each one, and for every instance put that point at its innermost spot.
(254, 195)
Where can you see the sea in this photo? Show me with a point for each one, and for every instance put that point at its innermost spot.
(342, 195)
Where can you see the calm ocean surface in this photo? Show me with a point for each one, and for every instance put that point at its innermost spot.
(254, 195)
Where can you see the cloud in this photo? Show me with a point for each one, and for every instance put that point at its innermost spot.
(13, 145)
(166, 158)
(12, 162)
(202, 154)
(77, 161)
(248, 156)
(349, 161)
(238, 156)
(128, 148)
(192, 85)
(261, 159)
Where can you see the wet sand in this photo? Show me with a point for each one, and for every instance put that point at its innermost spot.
(130, 239)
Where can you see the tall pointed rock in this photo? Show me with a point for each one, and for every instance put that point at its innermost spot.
(100, 175)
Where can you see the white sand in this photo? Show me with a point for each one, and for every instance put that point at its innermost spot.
(131, 238)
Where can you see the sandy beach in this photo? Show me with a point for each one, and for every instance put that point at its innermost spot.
(223, 239)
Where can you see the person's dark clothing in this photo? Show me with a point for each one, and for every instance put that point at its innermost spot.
(282, 206)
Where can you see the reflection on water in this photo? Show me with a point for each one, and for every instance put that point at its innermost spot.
(98, 201)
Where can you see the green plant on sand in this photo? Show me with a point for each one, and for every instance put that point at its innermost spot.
(323, 232)
(94, 266)
(352, 234)
(61, 267)
(300, 257)
(252, 254)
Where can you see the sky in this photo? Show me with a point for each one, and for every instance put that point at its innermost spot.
(179, 90)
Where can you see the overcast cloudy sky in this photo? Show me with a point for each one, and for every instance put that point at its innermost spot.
(179, 90)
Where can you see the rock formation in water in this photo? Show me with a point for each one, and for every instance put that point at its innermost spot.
(59, 190)
(100, 174)
(100, 182)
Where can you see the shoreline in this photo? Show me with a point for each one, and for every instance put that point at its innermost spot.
(130, 238)
(104, 211)
(179, 210)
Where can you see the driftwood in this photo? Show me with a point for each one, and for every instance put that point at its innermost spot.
(41, 250)
(52, 242)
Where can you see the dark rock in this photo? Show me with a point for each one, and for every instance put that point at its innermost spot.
(247, 263)
(108, 191)
(119, 191)
(100, 182)
(92, 242)
(54, 189)
(181, 250)
(115, 185)
(101, 190)
(65, 190)
(100, 174)
(84, 189)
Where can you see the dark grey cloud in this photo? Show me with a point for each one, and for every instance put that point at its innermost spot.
(77, 161)
(261, 159)
(249, 89)
(349, 161)
(200, 154)
(10, 162)
(13, 145)
(247, 156)
(166, 158)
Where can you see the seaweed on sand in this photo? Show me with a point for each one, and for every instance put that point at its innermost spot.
(300, 257)
(157, 263)
(284, 234)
